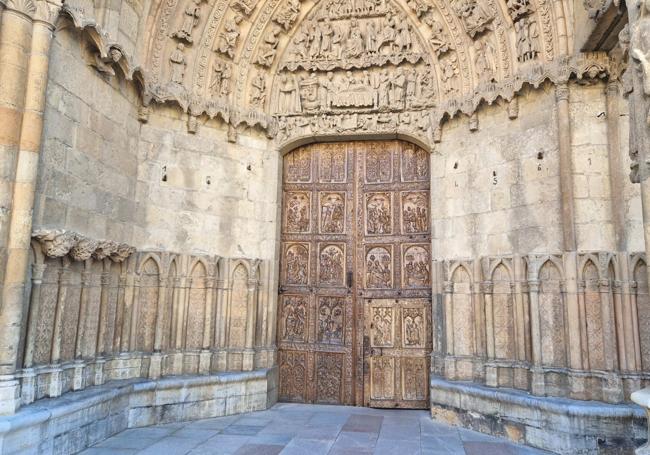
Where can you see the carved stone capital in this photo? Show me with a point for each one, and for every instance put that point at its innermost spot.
(104, 249)
(122, 253)
(83, 249)
(37, 273)
(562, 92)
(47, 12)
(25, 7)
(55, 243)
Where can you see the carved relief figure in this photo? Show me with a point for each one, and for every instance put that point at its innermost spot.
(332, 265)
(228, 37)
(245, 6)
(378, 214)
(378, 165)
(297, 265)
(298, 212)
(178, 63)
(382, 327)
(191, 19)
(269, 47)
(415, 213)
(439, 39)
(288, 13)
(332, 164)
(258, 90)
(309, 92)
(415, 165)
(527, 39)
(484, 60)
(379, 268)
(221, 74)
(288, 99)
(332, 213)
(413, 327)
(416, 267)
(294, 312)
(355, 45)
(449, 72)
(473, 16)
(330, 320)
(297, 166)
(518, 8)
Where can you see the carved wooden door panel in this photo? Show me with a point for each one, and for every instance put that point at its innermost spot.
(316, 301)
(355, 231)
(394, 272)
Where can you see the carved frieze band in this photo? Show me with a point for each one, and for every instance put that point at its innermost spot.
(56, 243)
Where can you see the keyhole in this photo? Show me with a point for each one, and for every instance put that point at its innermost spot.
(164, 173)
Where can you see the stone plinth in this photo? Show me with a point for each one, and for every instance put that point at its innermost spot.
(77, 420)
(557, 424)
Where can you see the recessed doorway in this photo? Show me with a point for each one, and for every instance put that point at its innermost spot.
(354, 318)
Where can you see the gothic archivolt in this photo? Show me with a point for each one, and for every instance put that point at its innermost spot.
(329, 67)
(366, 64)
(303, 68)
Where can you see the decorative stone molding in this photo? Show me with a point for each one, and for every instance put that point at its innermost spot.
(26, 7)
(109, 52)
(56, 243)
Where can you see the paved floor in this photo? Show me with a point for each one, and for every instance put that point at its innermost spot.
(290, 429)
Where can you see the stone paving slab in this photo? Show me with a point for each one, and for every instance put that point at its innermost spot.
(297, 429)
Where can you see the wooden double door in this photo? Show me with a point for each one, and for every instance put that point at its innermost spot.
(354, 317)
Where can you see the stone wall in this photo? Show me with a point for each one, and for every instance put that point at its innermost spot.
(88, 167)
(202, 193)
(152, 183)
(100, 312)
(541, 318)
